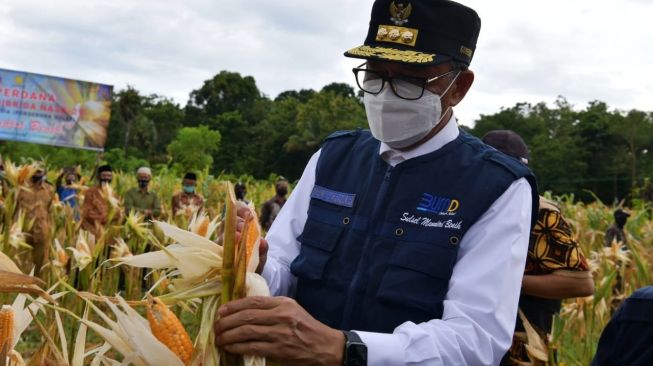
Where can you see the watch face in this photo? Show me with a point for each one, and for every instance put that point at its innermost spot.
(356, 354)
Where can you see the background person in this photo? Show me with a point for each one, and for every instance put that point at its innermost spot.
(628, 337)
(141, 199)
(271, 207)
(34, 202)
(240, 189)
(616, 231)
(556, 268)
(95, 209)
(66, 190)
(188, 198)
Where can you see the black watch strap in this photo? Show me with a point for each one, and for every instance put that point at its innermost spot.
(355, 353)
(352, 337)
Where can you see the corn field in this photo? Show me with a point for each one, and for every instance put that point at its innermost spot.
(146, 293)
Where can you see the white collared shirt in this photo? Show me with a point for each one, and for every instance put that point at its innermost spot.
(481, 304)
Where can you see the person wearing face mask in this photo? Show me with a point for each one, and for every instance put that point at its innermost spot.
(66, 187)
(141, 199)
(405, 244)
(95, 206)
(188, 201)
(34, 202)
(271, 207)
(616, 231)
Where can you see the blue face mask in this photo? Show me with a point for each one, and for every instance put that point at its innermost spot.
(189, 189)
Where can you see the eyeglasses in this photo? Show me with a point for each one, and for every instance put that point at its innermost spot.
(405, 87)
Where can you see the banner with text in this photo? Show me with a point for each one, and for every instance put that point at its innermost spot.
(53, 111)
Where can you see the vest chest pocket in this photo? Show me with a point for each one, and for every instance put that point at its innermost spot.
(318, 241)
(417, 275)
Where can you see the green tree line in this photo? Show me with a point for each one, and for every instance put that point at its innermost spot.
(228, 125)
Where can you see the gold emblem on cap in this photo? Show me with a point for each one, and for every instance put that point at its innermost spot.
(407, 36)
(401, 35)
(381, 33)
(392, 54)
(400, 13)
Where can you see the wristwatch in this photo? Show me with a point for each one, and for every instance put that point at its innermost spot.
(355, 350)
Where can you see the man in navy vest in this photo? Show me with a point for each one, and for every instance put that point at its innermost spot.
(627, 338)
(404, 244)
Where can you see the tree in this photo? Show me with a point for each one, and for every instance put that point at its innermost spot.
(342, 89)
(302, 96)
(323, 114)
(225, 92)
(272, 133)
(193, 148)
(635, 130)
(167, 118)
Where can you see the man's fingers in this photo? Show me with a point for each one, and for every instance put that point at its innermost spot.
(264, 349)
(244, 317)
(246, 333)
(253, 302)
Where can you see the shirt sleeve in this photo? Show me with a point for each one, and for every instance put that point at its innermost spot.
(282, 236)
(553, 247)
(481, 304)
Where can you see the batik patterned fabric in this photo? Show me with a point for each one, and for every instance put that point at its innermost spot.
(552, 246)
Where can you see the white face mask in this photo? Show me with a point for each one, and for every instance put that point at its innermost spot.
(400, 122)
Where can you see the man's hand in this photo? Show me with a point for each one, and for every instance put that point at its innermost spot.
(242, 211)
(277, 327)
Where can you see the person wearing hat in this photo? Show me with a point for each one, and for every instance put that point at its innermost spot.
(95, 206)
(616, 231)
(404, 244)
(188, 199)
(141, 199)
(556, 268)
(34, 201)
(272, 207)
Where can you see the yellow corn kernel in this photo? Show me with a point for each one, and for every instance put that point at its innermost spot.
(6, 327)
(169, 330)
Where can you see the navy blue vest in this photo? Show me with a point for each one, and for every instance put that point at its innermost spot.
(380, 243)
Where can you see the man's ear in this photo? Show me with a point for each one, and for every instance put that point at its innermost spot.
(461, 87)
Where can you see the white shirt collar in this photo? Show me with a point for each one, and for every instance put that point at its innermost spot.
(448, 133)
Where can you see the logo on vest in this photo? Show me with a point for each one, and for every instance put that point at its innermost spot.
(428, 222)
(438, 205)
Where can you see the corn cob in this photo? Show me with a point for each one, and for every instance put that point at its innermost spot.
(167, 328)
(6, 327)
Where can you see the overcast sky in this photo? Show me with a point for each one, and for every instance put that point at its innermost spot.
(528, 51)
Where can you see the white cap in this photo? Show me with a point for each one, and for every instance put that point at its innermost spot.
(144, 170)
